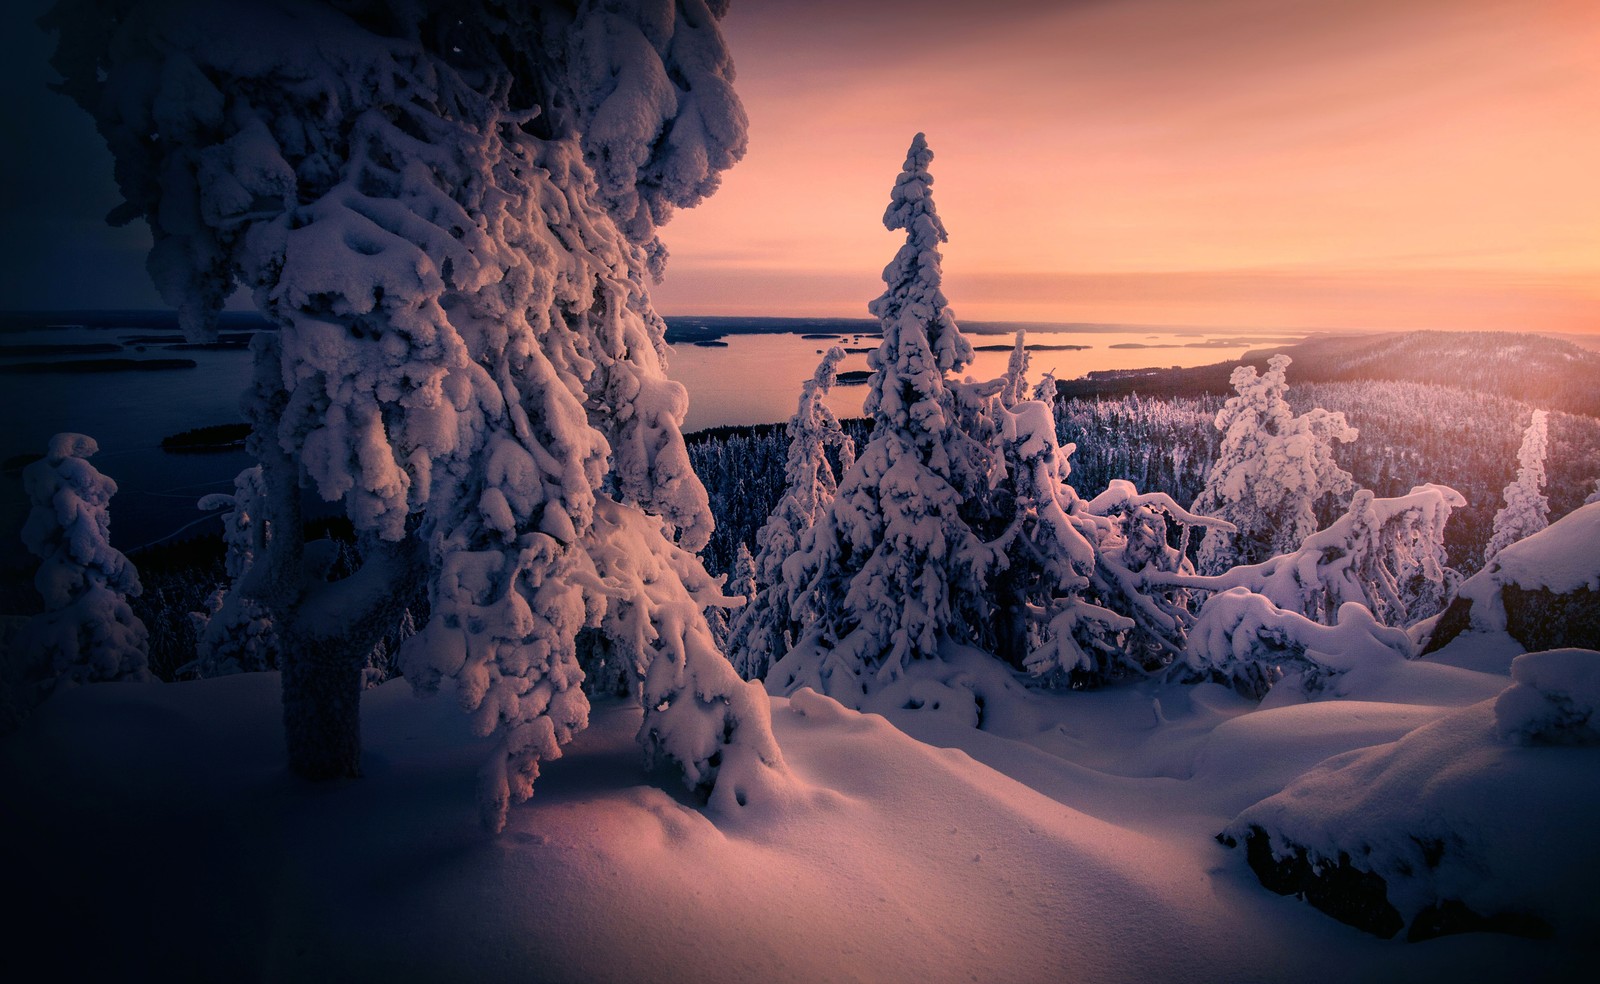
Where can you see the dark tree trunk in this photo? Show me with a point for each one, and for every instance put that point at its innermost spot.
(326, 628)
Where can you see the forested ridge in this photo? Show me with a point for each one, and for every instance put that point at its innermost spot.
(1410, 433)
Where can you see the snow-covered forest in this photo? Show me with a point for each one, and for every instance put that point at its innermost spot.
(1276, 680)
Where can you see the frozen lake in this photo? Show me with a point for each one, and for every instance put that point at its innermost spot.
(756, 379)
(740, 379)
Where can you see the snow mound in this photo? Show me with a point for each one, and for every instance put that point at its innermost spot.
(1554, 701)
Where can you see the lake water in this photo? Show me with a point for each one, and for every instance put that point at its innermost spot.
(746, 379)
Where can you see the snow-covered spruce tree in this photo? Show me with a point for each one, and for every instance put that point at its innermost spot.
(1526, 511)
(235, 634)
(1045, 392)
(87, 632)
(876, 574)
(742, 579)
(765, 628)
(448, 210)
(1014, 388)
(741, 583)
(1272, 470)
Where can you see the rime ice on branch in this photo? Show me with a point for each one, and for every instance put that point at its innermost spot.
(1387, 555)
(87, 632)
(449, 212)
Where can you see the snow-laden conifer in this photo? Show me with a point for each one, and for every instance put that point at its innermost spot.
(1526, 511)
(957, 521)
(449, 212)
(87, 632)
(1014, 389)
(1272, 470)
(878, 571)
(764, 629)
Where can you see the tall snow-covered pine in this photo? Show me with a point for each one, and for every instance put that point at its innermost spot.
(878, 571)
(764, 629)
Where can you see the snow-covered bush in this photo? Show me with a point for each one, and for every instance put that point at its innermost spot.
(87, 632)
(449, 212)
(1272, 470)
(1242, 639)
(765, 628)
(1384, 554)
(1554, 699)
(1526, 511)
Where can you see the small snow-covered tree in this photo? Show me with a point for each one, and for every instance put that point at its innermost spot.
(741, 583)
(876, 574)
(1272, 470)
(1014, 388)
(87, 632)
(235, 634)
(742, 579)
(1045, 392)
(449, 213)
(765, 628)
(1526, 511)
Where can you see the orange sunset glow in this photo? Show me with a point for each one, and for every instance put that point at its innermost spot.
(1360, 163)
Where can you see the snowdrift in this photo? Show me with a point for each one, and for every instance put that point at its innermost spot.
(161, 836)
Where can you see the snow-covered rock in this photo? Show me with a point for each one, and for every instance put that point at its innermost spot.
(1543, 590)
(1452, 828)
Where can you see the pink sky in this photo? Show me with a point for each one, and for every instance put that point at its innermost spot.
(1340, 163)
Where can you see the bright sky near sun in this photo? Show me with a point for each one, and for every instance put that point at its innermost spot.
(1284, 163)
(1338, 163)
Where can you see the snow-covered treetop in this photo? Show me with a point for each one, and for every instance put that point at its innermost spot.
(87, 631)
(921, 342)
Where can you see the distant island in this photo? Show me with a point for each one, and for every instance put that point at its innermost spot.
(97, 365)
(217, 437)
(1041, 348)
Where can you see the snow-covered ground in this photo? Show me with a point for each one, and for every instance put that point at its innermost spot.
(153, 832)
